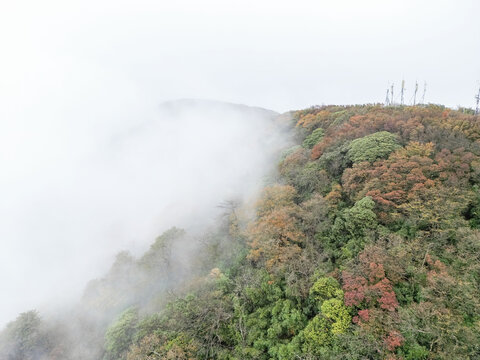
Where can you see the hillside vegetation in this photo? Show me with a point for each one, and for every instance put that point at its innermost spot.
(365, 245)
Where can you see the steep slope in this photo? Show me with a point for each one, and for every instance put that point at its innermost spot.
(364, 246)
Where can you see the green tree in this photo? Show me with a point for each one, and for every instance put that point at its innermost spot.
(120, 335)
(312, 139)
(360, 217)
(372, 147)
(24, 338)
(353, 228)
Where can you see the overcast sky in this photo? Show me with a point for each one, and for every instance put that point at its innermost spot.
(77, 76)
(276, 54)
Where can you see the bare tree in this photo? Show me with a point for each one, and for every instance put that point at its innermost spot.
(424, 91)
(477, 98)
(402, 93)
(415, 93)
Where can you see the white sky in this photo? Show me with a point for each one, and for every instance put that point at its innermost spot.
(75, 74)
(276, 54)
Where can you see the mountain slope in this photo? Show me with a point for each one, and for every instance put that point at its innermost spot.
(364, 245)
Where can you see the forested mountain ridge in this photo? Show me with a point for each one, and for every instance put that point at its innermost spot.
(364, 245)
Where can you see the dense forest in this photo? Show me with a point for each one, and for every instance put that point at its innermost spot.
(364, 244)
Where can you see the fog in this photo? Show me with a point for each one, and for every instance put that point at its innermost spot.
(65, 218)
(94, 159)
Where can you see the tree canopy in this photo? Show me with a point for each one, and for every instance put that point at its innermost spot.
(364, 245)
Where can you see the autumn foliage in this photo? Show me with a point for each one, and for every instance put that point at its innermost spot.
(364, 245)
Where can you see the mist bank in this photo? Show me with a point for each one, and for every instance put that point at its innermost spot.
(64, 221)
